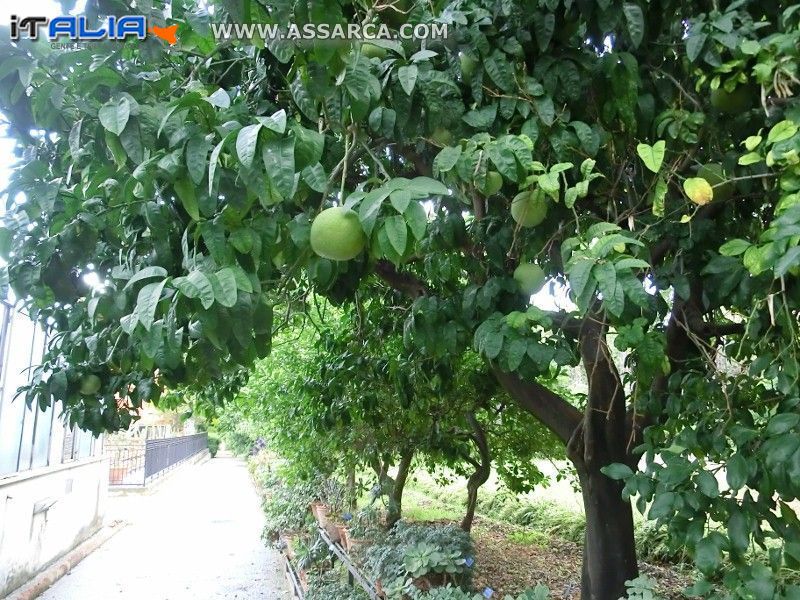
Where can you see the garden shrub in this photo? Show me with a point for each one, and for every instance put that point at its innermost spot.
(326, 588)
(540, 592)
(421, 556)
(213, 444)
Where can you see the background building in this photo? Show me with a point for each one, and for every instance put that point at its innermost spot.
(53, 479)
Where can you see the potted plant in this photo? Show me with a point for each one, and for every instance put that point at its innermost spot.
(320, 510)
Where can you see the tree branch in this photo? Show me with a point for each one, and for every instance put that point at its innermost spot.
(555, 413)
(406, 283)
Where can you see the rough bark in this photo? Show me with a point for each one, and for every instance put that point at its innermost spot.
(396, 496)
(483, 469)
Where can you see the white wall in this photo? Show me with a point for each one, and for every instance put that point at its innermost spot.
(44, 513)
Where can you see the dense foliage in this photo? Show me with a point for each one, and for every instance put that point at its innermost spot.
(644, 154)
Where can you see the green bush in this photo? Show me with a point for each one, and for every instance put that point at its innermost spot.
(441, 554)
(326, 588)
(540, 592)
(213, 444)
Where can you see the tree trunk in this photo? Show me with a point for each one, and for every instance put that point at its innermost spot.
(481, 474)
(602, 435)
(396, 495)
(609, 551)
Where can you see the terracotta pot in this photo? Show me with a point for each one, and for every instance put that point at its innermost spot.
(320, 511)
(355, 544)
(333, 532)
(116, 475)
(344, 536)
(301, 575)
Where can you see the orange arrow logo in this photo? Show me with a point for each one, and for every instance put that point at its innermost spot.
(166, 33)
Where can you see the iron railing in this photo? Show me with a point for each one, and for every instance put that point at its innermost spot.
(140, 465)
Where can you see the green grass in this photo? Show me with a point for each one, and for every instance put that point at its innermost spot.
(529, 537)
(420, 506)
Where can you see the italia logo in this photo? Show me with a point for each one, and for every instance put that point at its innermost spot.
(77, 28)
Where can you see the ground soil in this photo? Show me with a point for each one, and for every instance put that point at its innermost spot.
(510, 567)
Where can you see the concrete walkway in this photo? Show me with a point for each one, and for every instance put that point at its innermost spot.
(197, 537)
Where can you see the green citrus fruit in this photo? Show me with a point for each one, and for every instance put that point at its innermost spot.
(494, 181)
(336, 234)
(442, 136)
(90, 385)
(530, 278)
(373, 51)
(714, 174)
(468, 65)
(739, 100)
(529, 208)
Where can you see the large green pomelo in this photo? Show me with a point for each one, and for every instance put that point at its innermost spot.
(494, 181)
(530, 278)
(373, 51)
(90, 385)
(737, 101)
(468, 65)
(336, 234)
(714, 174)
(529, 208)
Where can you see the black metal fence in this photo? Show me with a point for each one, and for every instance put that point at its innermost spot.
(160, 455)
(137, 466)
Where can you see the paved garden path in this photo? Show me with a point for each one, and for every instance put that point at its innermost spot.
(197, 537)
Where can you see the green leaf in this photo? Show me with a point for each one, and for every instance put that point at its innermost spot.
(196, 285)
(400, 200)
(212, 164)
(196, 154)
(186, 193)
(707, 484)
(707, 555)
(737, 472)
(276, 122)
(223, 283)
(617, 471)
(246, 142)
(370, 207)
(635, 21)
(781, 131)
(220, 99)
(659, 196)
(750, 158)
(315, 177)
(146, 303)
(738, 531)
(694, 45)
(407, 75)
(734, 247)
(308, 146)
(146, 273)
(782, 423)
(579, 274)
(481, 118)
(114, 115)
(417, 219)
(787, 261)
(397, 232)
(652, 156)
(278, 158)
(446, 159)
(427, 186)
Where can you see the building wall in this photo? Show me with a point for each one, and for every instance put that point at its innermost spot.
(46, 512)
(53, 479)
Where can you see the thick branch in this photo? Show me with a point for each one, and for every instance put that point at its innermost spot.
(604, 421)
(558, 415)
(402, 282)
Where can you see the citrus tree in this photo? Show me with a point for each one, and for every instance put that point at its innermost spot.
(640, 156)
